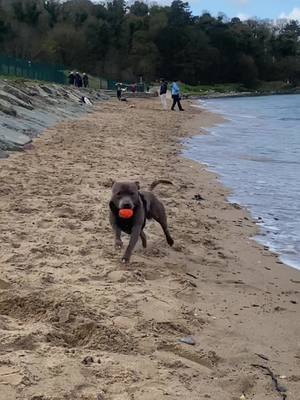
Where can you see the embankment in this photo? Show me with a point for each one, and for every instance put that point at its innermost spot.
(27, 108)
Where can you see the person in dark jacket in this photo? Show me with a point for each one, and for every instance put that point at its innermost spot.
(71, 78)
(119, 90)
(78, 80)
(85, 80)
(163, 93)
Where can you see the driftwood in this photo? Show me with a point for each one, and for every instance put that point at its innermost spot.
(280, 389)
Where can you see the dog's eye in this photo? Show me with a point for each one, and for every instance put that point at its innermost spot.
(118, 193)
(131, 193)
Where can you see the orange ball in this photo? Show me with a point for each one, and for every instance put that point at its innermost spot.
(125, 213)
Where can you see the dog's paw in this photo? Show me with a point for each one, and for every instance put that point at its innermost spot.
(119, 245)
(170, 241)
(125, 260)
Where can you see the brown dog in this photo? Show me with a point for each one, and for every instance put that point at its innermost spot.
(145, 205)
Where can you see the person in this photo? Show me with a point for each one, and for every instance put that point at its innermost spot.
(133, 88)
(71, 78)
(78, 80)
(119, 90)
(163, 93)
(176, 96)
(85, 80)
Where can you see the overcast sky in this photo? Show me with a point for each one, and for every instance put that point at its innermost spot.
(248, 8)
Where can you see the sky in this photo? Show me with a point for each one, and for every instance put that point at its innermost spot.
(244, 9)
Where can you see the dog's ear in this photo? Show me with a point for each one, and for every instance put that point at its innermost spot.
(137, 185)
(113, 207)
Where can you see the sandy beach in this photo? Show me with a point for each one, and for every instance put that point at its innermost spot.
(75, 323)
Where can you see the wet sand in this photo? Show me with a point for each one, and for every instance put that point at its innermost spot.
(77, 324)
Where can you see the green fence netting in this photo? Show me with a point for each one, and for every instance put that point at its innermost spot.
(111, 85)
(26, 69)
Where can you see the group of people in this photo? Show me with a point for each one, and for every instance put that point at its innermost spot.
(77, 80)
(175, 92)
(120, 89)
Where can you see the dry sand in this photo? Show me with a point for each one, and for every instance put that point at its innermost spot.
(76, 324)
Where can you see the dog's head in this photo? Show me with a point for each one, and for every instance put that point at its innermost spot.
(125, 195)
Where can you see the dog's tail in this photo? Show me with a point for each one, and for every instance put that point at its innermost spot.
(158, 182)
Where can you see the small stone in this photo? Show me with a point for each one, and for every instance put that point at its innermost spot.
(87, 360)
(188, 340)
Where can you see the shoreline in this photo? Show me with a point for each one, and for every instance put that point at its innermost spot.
(204, 129)
(115, 332)
(261, 237)
(239, 94)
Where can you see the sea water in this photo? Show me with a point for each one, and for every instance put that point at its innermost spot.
(256, 153)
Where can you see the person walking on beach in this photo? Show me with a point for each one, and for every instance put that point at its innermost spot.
(78, 80)
(85, 80)
(71, 78)
(119, 90)
(176, 96)
(163, 93)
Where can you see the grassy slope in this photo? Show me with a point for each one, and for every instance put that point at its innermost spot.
(262, 87)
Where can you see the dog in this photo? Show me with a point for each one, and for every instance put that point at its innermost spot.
(145, 205)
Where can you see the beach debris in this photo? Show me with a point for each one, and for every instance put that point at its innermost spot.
(278, 308)
(198, 197)
(188, 340)
(279, 388)
(242, 397)
(193, 276)
(87, 360)
(262, 356)
(85, 100)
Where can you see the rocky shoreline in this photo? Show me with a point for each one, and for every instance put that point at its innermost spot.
(28, 108)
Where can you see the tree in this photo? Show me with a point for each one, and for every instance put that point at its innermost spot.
(122, 41)
(139, 9)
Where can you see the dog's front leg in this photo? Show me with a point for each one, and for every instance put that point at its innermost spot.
(118, 240)
(135, 233)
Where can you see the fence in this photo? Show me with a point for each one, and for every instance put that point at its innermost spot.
(111, 85)
(26, 69)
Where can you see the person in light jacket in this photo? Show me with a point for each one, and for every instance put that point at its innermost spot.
(176, 96)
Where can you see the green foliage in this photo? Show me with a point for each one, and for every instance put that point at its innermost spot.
(125, 41)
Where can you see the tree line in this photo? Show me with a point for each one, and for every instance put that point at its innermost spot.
(120, 40)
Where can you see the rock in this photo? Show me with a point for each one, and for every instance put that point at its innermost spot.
(19, 94)
(15, 102)
(8, 146)
(87, 360)
(7, 110)
(188, 340)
